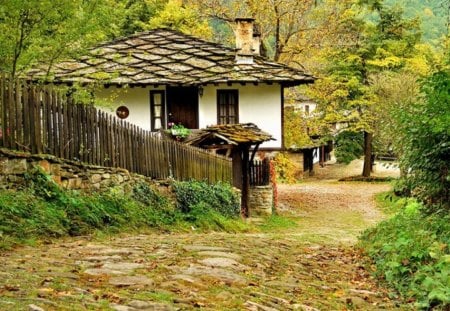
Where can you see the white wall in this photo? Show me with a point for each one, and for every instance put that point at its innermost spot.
(136, 99)
(259, 104)
(316, 155)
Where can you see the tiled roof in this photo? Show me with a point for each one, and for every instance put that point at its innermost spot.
(234, 134)
(164, 56)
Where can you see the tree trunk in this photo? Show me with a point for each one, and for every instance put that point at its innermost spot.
(367, 168)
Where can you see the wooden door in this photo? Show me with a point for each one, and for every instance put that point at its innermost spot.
(182, 106)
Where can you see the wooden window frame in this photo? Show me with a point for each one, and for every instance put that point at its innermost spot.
(152, 110)
(228, 92)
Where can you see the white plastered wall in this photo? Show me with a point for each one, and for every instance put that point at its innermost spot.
(259, 104)
(136, 99)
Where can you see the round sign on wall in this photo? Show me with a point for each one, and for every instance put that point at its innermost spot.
(122, 112)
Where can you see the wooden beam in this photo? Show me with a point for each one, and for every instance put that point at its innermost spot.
(218, 147)
(254, 152)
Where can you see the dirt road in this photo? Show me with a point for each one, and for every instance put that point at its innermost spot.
(307, 266)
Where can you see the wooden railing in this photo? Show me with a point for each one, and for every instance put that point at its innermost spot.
(42, 120)
(259, 173)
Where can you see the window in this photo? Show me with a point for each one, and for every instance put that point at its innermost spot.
(227, 106)
(307, 109)
(157, 104)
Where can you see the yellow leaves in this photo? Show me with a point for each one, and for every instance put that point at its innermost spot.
(389, 62)
(296, 129)
(418, 65)
(183, 18)
(354, 59)
(353, 83)
(340, 93)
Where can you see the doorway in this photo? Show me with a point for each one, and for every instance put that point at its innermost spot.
(182, 106)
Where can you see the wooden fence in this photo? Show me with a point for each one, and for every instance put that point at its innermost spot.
(42, 120)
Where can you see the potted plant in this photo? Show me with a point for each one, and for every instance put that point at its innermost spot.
(179, 131)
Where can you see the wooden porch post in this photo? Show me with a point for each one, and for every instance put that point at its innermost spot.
(322, 156)
(245, 181)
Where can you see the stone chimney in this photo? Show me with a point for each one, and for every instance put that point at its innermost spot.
(256, 40)
(244, 41)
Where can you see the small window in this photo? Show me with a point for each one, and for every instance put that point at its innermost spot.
(307, 109)
(227, 106)
(157, 110)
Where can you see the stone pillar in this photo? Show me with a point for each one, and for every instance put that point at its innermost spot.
(260, 201)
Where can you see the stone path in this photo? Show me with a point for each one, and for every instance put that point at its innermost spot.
(216, 272)
(307, 267)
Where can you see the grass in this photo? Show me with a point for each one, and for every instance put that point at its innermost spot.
(277, 223)
(45, 211)
(389, 203)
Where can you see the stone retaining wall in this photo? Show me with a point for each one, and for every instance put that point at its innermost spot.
(14, 167)
(260, 201)
(68, 174)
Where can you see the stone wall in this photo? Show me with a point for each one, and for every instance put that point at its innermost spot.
(14, 166)
(260, 201)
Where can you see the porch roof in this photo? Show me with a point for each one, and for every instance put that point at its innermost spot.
(168, 57)
(232, 134)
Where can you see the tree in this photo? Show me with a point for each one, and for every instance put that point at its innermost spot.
(138, 13)
(47, 30)
(387, 44)
(182, 17)
(298, 129)
(397, 91)
(281, 22)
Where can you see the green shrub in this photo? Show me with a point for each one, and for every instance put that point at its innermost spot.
(424, 135)
(219, 197)
(349, 146)
(45, 210)
(150, 196)
(411, 253)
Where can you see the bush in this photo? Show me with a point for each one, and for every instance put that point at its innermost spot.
(219, 197)
(150, 196)
(424, 134)
(285, 169)
(349, 146)
(411, 253)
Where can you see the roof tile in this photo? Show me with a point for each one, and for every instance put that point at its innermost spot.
(164, 56)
